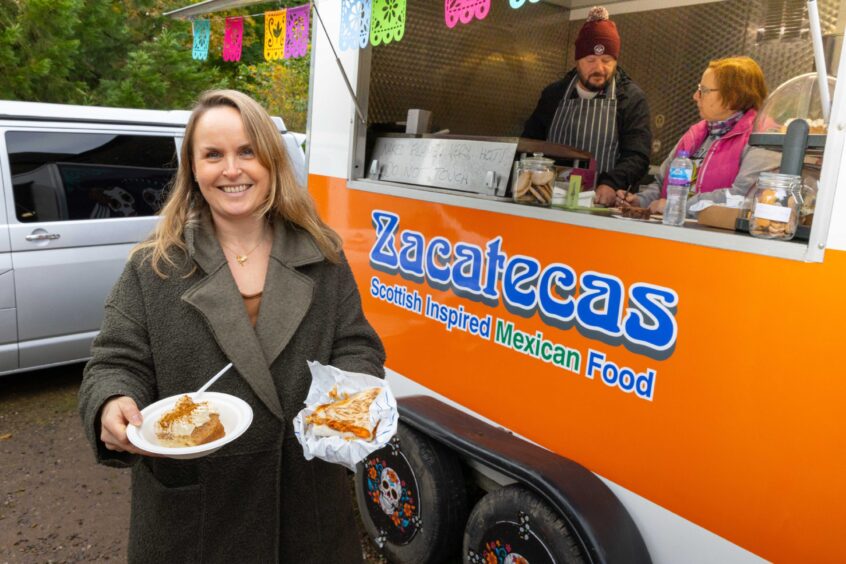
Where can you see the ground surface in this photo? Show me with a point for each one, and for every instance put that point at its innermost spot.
(56, 504)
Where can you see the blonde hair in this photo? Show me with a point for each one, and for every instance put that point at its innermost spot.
(286, 200)
(740, 81)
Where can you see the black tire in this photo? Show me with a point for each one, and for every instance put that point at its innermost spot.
(513, 525)
(417, 514)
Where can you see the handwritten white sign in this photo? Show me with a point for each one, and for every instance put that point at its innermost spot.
(482, 167)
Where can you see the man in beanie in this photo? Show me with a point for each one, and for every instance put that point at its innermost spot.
(597, 108)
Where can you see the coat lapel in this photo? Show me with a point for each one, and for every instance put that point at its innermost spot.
(287, 293)
(216, 297)
(285, 300)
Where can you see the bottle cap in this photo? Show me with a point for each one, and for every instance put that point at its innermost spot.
(683, 154)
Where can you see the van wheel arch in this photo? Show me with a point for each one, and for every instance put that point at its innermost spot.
(597, 519)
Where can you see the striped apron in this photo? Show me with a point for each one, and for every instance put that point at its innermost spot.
(589, 125)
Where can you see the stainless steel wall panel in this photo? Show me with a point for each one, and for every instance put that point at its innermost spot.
(482, 78)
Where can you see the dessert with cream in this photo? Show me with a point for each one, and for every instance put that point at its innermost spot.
(189, 424)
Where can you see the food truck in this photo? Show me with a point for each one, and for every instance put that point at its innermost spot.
(578, 387)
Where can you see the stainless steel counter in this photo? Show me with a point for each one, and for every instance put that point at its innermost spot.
(691, 234)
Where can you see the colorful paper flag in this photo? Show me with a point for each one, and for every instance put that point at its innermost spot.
(202, 33)
(232, 39)
(518, 3)
(274, 35)
(296, 36)
(388, 22)
(355, 24)
(465, 11)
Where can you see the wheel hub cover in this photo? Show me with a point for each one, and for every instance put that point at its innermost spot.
(392, 494)
(511, 542)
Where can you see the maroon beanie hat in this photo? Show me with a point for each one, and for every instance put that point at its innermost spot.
(598, 35)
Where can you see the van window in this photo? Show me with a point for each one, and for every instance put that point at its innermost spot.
(75, 176)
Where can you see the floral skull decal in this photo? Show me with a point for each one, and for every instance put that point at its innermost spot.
(391, 489)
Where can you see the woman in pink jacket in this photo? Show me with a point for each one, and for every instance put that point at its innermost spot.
(728, 97)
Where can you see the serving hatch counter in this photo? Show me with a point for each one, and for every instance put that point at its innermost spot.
(473, 172)
(691, 232)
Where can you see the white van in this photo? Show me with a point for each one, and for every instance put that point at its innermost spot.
(80, 187)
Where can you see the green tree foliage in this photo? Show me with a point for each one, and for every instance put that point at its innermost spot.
(157, 75)
(126, 53)
(40, 50)
(282, 86)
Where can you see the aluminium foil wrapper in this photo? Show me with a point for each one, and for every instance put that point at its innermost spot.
(339, 450)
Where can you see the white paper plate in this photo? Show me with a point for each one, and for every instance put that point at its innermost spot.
(235, 415)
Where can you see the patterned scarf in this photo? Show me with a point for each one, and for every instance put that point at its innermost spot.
(716, 129)
(720, 128)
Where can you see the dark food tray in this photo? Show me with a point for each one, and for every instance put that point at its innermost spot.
(548, 149)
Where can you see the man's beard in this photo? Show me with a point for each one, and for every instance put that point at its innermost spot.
(592, 87)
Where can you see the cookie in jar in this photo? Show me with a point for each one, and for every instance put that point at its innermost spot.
(776, 206)
(533, 180)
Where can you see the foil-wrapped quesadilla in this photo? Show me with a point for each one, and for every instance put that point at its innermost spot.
(347, 417)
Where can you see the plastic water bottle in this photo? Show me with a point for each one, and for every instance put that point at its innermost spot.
(678, 185)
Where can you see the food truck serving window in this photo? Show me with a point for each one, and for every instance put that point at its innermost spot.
(446, 108)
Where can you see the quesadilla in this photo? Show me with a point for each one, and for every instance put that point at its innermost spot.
(347, 417)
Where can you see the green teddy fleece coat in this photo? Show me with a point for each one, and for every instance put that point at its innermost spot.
(256, 499)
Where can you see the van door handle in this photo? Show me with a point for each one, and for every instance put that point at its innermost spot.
(43, 237)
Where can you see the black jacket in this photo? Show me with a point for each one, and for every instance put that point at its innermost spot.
(632, 128)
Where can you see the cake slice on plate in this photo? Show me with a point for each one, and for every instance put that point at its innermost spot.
(189, 424)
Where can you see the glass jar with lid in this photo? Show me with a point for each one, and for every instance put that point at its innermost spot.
(775, 206)
(533, 180)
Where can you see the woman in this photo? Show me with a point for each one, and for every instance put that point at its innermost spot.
(239, 269)
(728, 97)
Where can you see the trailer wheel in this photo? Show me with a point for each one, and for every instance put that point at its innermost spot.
(514, 526)
(412, 499)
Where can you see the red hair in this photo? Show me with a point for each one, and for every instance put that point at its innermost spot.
(740, 81)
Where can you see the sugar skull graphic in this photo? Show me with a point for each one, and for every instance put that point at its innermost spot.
(391, 490)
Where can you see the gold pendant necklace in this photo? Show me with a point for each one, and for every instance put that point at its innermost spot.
(243, 258)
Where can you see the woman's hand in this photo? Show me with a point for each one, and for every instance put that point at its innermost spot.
(626, 199)
(658, 206)
(117, 413)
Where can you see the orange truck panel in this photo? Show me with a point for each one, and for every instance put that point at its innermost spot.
(743, 433)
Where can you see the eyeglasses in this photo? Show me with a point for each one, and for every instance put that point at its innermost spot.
(705, 90)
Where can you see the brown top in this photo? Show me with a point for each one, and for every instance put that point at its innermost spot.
(252, 304)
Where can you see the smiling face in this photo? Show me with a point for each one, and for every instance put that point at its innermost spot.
(595, 71)
(232, 180)
(711, 104)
